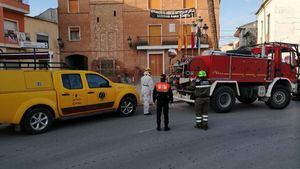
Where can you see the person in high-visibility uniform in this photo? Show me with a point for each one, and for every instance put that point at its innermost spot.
(163, 95)
(201, 93)
(147, 88)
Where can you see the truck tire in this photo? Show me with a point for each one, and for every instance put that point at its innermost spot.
(223, 99)
(37, 120)
(247, 100)
(280, 97)
(127, 106)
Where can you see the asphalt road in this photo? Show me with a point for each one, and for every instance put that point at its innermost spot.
(251, 136)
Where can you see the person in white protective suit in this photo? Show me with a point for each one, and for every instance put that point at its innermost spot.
(147, 89)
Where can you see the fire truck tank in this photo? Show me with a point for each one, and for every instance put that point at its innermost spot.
(237, 68)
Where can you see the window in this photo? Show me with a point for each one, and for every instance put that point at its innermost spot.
(155, 33)
(96, 81)
(288, 56)
(74, 33)
(10, 25)
(42, 39)
(189, 3)
(262, 32)
(154, 4)
(72, 81)
(73, 6)
(172, 27)
(268, 28)
(10, 29)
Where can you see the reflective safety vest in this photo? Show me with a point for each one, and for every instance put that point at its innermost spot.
(162, 87)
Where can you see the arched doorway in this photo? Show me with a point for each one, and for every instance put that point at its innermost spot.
(77, 62)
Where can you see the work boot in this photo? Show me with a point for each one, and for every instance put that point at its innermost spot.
(204, 126)
(198, 126)
(158, 128)
(167, 128)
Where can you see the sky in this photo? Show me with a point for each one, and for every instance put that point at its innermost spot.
(233, 13)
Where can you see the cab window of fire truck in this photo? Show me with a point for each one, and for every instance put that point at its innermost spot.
(286, 56)
(271, 54)
(293, 58)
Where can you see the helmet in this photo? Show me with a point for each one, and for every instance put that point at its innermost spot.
(202, 73)
(146, 73)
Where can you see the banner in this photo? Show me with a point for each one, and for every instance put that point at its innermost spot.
(173, 14)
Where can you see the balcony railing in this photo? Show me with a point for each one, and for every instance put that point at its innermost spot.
(13, 37)
(166, 40)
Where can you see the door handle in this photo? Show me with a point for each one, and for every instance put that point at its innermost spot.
(66, 94)
(91, 92)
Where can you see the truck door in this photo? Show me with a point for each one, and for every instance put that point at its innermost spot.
(101, 94)
(288, 63)
(72, 94)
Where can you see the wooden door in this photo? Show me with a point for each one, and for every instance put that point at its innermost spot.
(187, 30)
(154, 34)
(156, 64)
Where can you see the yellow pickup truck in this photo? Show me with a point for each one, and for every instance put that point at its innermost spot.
(35, 98)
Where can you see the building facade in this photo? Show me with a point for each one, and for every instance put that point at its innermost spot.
(12, 24)
(247, 34)
(119, 36)
(279, 21)
(44, 31)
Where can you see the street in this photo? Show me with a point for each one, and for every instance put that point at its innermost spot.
(251, 136)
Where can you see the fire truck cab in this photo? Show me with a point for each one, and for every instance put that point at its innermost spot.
(268, 72)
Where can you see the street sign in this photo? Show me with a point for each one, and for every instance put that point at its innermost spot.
(36, 45)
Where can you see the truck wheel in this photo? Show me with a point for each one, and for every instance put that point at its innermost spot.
(280, 98)
(223, 99)
(127, 106)
(37, 121)
(247, 100)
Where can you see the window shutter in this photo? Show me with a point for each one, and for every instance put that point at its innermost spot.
(73, 6)
(154, 4)
(189, 4)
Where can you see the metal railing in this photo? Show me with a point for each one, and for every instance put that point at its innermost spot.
(166, 40)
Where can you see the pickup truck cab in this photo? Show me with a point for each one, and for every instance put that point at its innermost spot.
(35, 98)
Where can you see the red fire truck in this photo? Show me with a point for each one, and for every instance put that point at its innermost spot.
(267, 72)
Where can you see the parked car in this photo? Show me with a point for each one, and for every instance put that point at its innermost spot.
(35, 98)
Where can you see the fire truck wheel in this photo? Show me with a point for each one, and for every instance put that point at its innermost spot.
(223, 99)
(247, 100)
(280, 97)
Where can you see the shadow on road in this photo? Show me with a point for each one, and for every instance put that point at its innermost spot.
(9, 130)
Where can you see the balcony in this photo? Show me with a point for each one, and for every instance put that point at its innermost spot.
(165, 42)
(14, 38)
(21, 6)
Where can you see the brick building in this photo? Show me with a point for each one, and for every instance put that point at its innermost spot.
(11, 23)
(119, 36)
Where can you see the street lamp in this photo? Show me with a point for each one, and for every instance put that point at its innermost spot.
(129, 41)
(60, 42)
(199, 28)
(205, 28)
